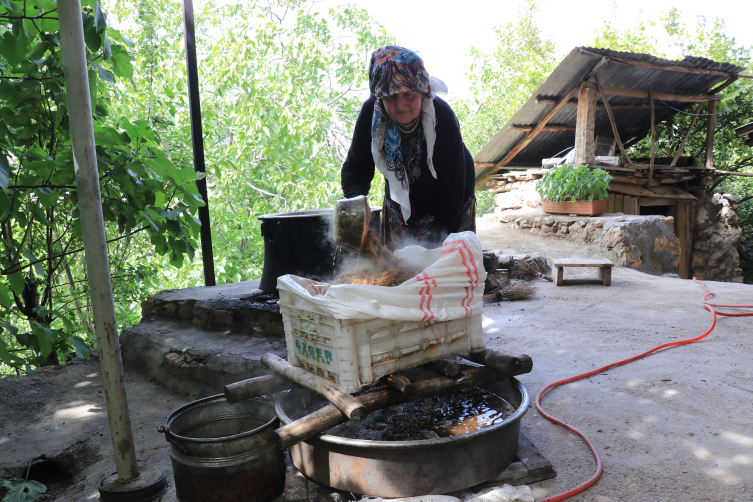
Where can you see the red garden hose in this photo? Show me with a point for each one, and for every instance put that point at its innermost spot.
(706, 305)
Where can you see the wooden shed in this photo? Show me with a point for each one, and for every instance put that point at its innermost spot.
(601, 102)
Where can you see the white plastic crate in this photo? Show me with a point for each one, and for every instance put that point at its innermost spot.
(355, 353)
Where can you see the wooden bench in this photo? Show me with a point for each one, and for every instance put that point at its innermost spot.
(604, 266)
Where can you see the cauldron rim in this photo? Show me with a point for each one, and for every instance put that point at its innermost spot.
(422, 443)
(306, 213)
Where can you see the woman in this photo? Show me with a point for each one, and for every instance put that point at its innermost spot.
(414, 139)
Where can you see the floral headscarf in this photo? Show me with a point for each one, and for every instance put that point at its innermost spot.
(392, 70)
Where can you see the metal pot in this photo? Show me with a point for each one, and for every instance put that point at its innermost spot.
(407, 468)
(300, 243)
(223, 451)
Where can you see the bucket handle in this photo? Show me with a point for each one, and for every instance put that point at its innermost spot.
(164, 430)
(276, 232)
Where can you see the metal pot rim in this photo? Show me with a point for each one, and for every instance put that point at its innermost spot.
(368, 443)
(307, 213)
(217, 397)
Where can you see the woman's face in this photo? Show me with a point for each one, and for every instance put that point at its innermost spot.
(403, 107)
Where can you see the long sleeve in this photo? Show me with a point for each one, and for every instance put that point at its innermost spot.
(358, 169)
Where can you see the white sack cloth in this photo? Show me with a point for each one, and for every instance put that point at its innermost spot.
(450, 287)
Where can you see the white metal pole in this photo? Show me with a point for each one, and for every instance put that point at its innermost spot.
(95, 242)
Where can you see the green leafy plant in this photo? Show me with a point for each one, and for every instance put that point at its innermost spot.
(571, 183)
(23, 490)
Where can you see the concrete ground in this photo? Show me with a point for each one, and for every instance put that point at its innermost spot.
(673, 426)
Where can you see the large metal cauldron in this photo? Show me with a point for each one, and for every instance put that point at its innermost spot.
(409, 468)
(300, 243)
(224, 452)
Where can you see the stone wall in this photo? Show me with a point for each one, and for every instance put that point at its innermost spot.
(715, 238)
(645, 243)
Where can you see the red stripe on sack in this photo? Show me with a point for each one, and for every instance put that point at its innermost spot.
(465, 303)
(426, 296)
(317, 289)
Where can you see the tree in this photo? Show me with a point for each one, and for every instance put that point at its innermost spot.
(43, 293)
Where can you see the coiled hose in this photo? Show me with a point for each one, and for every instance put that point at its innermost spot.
(578, 489)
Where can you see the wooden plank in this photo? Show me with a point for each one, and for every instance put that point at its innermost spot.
(571, 282)
(636, 208)
(657, 201)
(681, 227)
(529, 467)
(655, 66)
(582, 262)
(687, 135)
(670, 191)
(627, 204)
(661, 191)
(610, 204)
(710, 135)
(615, 131)
(481, 176)
(653, 137)
(605, 275)
(585, 122)
(618, 199)
(634, 93)
(562, 128)
(731, 173)
(559, 270)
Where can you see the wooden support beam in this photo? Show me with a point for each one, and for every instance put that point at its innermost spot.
(731, 173)
(687, 135)
(599, 106)
(634, 93)
(562, 128)
(615, 131)
(653, 138)
(655, 66)
(585, 142)
(482, 176)
(710, 135)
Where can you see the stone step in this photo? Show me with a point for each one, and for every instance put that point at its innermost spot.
(239, 308)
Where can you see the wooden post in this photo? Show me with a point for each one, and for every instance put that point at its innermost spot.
(653, 138)
(683, 229)
(710, 135)
(585, 145)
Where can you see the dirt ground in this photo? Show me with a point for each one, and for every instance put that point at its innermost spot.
(674, 426)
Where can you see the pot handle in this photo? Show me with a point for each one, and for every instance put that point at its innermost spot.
(266, 229)
(164, 430)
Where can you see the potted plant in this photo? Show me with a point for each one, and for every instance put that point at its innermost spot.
(569, 189)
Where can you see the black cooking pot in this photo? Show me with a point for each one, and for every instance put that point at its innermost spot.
(301, 243)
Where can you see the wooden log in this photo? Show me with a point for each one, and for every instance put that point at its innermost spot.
(560, 128)
(731, 173)
(710, 135)
(585, 123)
(615, 131)
(400, 382)
(254, 387)
(502, 362)
(655, 66)
(443, 366)
(329, 416)
(653, 138)
(483, 174)
(329, 390)
(687, 135)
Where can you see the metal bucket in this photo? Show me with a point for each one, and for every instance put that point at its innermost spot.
(407, 468)
(225, 452)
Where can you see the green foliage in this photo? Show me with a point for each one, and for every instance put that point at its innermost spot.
(569, 183)
(23, 490)
(505, 77)
(43, 293)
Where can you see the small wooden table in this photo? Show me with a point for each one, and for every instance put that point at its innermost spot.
(604, 266)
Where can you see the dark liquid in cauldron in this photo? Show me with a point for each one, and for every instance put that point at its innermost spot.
(451, 414)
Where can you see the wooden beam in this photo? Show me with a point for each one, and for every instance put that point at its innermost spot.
(719, 88)
(562, 128)
(611, 119)
(731, 173)
(585, 123)
(482, 176)
(710, 135)
(599, 106)
(634, 93)
(653, 138)
(681, 229)
(655, 66)
(687, 135)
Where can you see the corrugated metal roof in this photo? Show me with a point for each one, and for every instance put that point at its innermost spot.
(575, 66)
